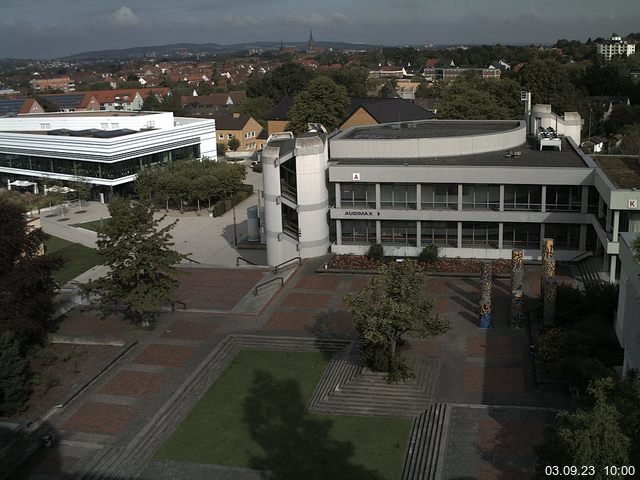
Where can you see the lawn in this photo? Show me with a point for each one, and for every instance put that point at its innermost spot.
(254, 416)
(78, 258)
(93, 225)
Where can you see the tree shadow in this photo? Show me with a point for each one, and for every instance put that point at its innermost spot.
(296, 445)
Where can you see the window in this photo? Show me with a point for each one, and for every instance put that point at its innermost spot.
(45, 126)
(440, 196)
(229, 136)
(564, 235)
(521, 235)
(358, 195)
(523, 197)
(359, 232)
(398, 233)
(398, 195)
(290, 221)
(221, 136)
(564, 198)
(442, 234)
(480, 197)
(480, 235)
(288, 180)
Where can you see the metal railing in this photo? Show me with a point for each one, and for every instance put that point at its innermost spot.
(286, 262)
(255, 290)
(244, 260)
(582, 256)
(192, 260)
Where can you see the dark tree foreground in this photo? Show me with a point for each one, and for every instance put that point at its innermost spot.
(389, 307)
(143, 273)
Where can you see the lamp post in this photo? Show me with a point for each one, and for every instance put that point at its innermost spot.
(235, 227)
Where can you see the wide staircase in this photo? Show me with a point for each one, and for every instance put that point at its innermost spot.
(425, 459)
(589, 270)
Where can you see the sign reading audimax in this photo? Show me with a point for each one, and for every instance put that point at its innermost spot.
(361, 213)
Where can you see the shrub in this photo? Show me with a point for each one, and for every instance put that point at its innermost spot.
(245, 187)
(46, 356)
(15, 388)
(218, 208)
(257, 167)
(238, 197)
(429, 254)
(376, 252)
(549, 345)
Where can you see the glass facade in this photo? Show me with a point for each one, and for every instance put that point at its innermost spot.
(290, 221)
(398, 232)
(442, 234)
(565, 236)
(398, 195)
(481, 197)
(521, 235)
(523, 197)
(564, 198)
(288, 180)
(480, 235)
(358, 195)
(439, 196)
(83, 168)
(358, 231)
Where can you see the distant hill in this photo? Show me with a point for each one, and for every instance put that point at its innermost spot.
(210, 48)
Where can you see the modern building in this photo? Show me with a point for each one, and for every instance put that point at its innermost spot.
(473, 188)
(615, 46)
(627, 323)
(105, 149)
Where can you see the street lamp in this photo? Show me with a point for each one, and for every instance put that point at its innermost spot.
(235, 227)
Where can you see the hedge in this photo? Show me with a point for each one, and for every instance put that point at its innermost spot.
(225, 205)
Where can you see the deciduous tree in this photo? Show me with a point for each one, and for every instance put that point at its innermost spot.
(323, 101)
(14, 375)
(142, 265)
(389, 307)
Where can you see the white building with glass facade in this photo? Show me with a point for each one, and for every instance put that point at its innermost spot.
(476, 189)
(105, 149)
(628, 315)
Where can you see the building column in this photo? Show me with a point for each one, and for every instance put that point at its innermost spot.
(584, 205)
(378, 189)
(500, 234)
(378, 231)
(460, 192)
(541, 236)
(501, 201)
(338, 196)
(543, 198)
(608, 221)
(338, 232)
(419, 233)
(612, 268)
(418, 198)
(459, 234)
(616, 224)
(583, 237)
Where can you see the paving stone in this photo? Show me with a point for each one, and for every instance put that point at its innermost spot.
(101, 418)
(307, 300)
(320, 282)
(165, 355)
(491, 380)
(190, 329)
(135, 384)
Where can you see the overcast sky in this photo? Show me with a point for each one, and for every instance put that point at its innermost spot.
(50, 28)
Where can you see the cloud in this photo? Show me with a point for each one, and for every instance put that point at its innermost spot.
(124, 17)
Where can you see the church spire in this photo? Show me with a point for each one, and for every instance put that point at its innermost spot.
(310, 43)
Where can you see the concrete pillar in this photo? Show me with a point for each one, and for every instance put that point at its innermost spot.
(378, 230)
(584, 199)
(500, 233)
(338, 196)
(418, 197)
(501, 202)
(419, 234)
(339, 232)
(460, 191)
(459, 234)
(541, 234)
(583, 237)
(378, 200)
(612, 269)
(616, 224)
(544, 203)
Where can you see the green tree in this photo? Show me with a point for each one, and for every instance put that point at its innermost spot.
(26, 285)
(258, 108)
(151, 103)
(142, 265)
(233, 144)
(15, 388)
(389, 89)
(389, 307)
(323, 101)
(549, 83)
(354, 79)
(287, 80)
(631, 141)
(587, 437)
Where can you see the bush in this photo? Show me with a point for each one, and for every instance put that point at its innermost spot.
(218, 209)
(46, 356)
(429, 254)
(238, 197)
(376, 252)
(257, 167)
(14, 375)
(247, 188)
(549, 345)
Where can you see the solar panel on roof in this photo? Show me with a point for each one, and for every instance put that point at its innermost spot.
(72, 100)
(11, 105)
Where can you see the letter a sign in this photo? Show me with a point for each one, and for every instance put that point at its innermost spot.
(356, 177)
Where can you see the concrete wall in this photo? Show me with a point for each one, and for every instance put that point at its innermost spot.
(83, 121)
(570, 125)
(627, 323)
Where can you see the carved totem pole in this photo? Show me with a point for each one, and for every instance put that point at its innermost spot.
(548, 284)
(517, 286)
(485, 295)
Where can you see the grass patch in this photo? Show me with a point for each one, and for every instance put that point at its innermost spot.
(77, 258)
(93, 225)
(254, 416)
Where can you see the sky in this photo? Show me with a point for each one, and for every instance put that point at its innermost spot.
(55, 28)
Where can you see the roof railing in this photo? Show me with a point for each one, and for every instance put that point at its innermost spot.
(268, 282)
(286, 263)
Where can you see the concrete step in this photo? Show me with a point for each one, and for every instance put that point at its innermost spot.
(425, 455)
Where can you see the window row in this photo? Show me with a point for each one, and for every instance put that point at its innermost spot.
(109, 171)
(474, 197)
(473, 234)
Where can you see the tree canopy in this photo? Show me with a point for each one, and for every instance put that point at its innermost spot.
(287, 80)
(549, 83)
(323, 101)
(390, 306)
(142, 265)
(354, 79)
(258, 108)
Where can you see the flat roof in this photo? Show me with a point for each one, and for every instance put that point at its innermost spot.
(530, 156)
(623, 171)
(97, 113)
(430, 129)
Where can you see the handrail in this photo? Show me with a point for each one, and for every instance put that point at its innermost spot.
(192, 260)
(244, 260)
(275, 269)
(255, 290)
(582, 256)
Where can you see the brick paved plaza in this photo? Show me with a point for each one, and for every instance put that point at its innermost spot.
(485, 376)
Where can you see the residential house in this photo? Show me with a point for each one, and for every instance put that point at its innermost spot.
(209, 105)
(615, 46)
(235, 125)
(73, 102)
(60, 83)
(11, 107)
